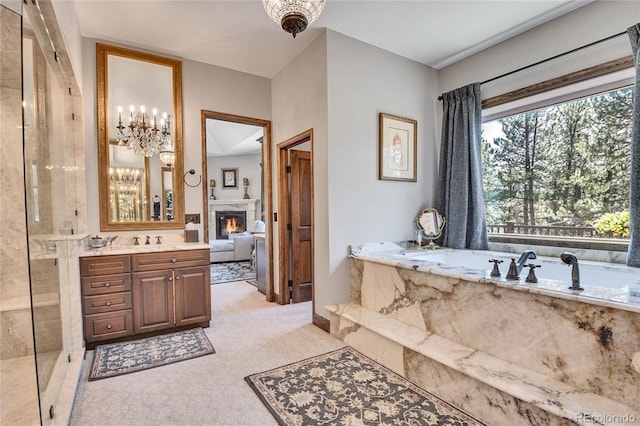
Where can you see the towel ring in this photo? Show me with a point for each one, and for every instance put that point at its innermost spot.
(191, 172)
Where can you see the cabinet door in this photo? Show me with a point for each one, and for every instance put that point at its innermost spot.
(193, 295)
(153, 301)
(261, 265)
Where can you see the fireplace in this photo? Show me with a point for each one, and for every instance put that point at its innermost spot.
(228, 222)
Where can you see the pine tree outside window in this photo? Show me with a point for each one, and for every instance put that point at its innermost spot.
(560, 171)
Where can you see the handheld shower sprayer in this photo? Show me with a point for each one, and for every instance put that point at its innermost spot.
(571, 260)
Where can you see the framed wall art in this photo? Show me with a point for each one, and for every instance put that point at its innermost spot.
(229, 178)
(397, 148)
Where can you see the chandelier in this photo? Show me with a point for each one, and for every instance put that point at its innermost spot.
(143, 135)
(293, 15)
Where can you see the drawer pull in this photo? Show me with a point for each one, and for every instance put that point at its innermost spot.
(107, 284)
(170, 278)
(108, 303)
(108, 326)
(177, 277)
(174, 260)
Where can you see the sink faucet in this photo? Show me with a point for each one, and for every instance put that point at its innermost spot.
(516, 265)
(571, 259)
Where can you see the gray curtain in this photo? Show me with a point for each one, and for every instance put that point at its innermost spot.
(633, 257)
(460, 198)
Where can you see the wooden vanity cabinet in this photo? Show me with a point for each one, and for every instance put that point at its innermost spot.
(144, 293)
(170, 289)
(106, 297)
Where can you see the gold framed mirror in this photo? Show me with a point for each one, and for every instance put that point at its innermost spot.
(137, 90)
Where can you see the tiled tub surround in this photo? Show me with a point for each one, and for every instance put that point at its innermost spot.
(507, 352)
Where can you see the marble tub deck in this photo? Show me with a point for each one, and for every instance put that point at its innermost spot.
(535, 355)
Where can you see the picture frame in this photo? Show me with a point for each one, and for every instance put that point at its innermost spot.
(397, 150)
(229, 178)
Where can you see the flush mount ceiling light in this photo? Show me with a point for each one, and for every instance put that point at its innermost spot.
(293, 15)
(168, 157)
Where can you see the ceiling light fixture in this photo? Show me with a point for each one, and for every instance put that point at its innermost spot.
(293, 15)
(168, 157)
(143, 135)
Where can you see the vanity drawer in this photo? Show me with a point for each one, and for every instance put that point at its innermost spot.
(106, 326)
(104, 284)
(106, 303)
(103, 265)
(169, 260)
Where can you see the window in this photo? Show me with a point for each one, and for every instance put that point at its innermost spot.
(560, 170)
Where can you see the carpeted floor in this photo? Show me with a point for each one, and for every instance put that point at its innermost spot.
(116, 359)
(231, 271)
(344, 387)
(249, 335)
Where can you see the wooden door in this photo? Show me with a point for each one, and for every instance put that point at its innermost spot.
(301, 226)
(153, 301)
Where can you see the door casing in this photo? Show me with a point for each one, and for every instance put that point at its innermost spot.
(267, 183)
(283, 204)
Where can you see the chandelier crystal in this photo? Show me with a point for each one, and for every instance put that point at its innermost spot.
(293, 15)
(143, 135)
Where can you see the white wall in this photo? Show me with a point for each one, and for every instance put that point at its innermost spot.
(203, 87)
(212, 88)
(364, 81)
(299, 103)
(590, 23)
(248, 167)
(337, 86)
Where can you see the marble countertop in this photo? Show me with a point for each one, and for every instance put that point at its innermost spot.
(396, 255)
(151, 248)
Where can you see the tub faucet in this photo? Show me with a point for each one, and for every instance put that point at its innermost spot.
(571, 259)
(516, 265)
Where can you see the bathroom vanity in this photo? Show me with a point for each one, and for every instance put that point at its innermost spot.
(144, 290)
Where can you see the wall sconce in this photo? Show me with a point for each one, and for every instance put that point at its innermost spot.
(212, 184)
(245, 182)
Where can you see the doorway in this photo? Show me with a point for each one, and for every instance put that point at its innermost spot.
(234, 137)
(295, 233)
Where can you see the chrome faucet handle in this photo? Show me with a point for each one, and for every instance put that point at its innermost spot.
(513, 270)
(158, 239)
(531, 278)
(135, 241)
(495, 272)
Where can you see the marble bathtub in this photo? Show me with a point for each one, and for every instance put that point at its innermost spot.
(601, 281)
(508, 352)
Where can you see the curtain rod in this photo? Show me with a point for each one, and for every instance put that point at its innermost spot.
(550, 59)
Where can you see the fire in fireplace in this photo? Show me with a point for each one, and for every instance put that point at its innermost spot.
(230, 222)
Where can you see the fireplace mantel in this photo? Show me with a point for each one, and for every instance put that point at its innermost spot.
(250, 203)
(247, 205)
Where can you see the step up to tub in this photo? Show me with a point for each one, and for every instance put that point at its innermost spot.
(553, 396)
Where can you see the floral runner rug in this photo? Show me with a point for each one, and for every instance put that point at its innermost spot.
(115, 359)
(231, 271)
(344, 387)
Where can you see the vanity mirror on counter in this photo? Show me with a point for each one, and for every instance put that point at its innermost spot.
(140, 148)
(430, 226)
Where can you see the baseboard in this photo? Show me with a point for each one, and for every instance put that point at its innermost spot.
(321, 322)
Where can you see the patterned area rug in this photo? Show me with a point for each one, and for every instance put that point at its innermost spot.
(231, 271)
(344, 387)
(115, 359)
